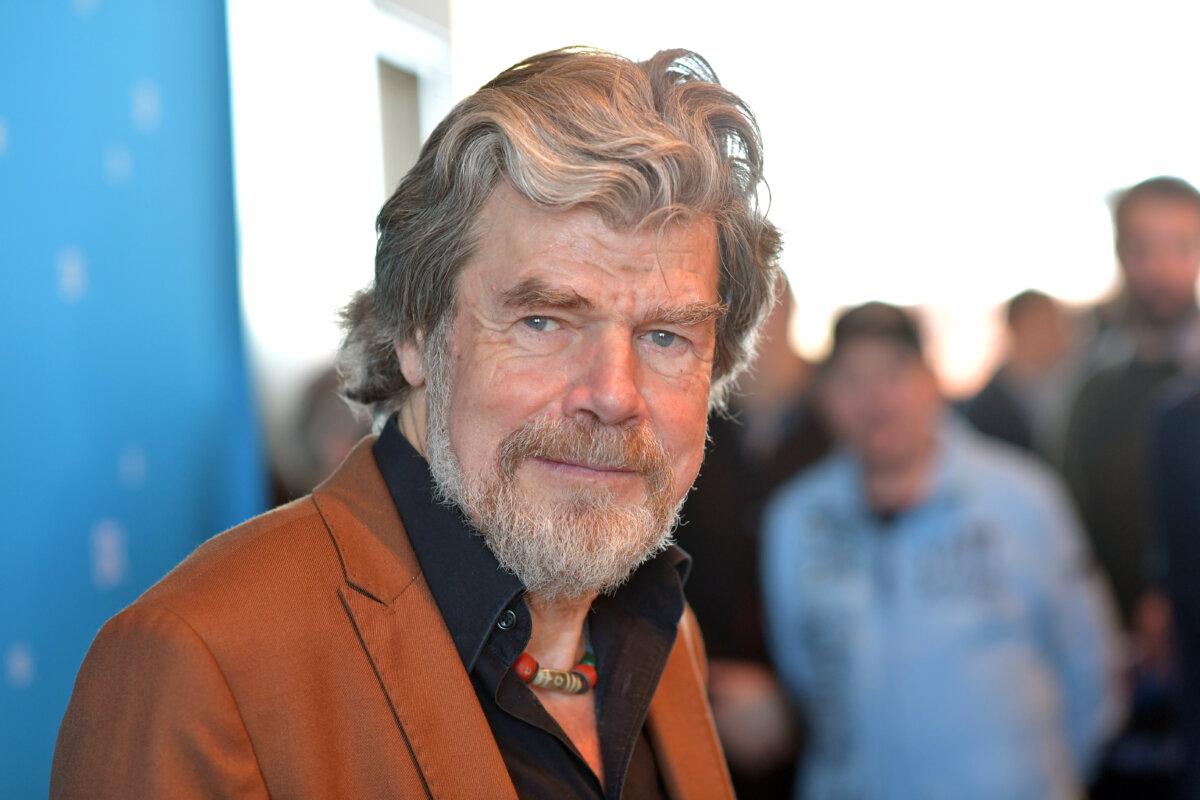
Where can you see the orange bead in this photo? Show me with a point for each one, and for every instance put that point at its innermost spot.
(526, 667)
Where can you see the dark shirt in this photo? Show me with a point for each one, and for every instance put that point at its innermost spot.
(721, 524)
(997, 412)
(1106, 465)
(631, 633)
(1175, 467)
(720, 531)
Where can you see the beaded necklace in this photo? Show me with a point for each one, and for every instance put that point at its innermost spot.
(580, 679)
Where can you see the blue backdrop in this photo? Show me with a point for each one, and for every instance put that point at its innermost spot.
(128, 432)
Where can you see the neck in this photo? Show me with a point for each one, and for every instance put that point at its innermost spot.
(557, 638)
(900, 484)
(1141, 315)
(1025, 368)
(413, 422)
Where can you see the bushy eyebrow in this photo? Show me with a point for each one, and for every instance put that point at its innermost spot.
(536, 293)
(689, 314)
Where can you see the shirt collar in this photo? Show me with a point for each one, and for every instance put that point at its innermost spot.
(467, 583)
(948, 474)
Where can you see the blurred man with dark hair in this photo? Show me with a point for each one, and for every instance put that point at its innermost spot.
(1144, 338)
(1023, 402)
(1147, 335)
(930, 598)
(1158, 243)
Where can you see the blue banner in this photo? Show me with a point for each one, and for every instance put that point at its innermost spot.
(129, 431)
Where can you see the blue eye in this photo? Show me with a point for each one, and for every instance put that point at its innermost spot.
(536, 323)
(663, 338)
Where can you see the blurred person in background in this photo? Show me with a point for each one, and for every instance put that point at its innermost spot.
(1144, 339)
(1154, 314)
(1025, 401)
(324, 432)
(1175, 469)
(484, 601)
(931, 601)
(771, 432)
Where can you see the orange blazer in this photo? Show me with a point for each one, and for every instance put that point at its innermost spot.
(301, 655)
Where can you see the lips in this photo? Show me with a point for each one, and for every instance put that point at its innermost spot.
(588, 451)
(571, 465)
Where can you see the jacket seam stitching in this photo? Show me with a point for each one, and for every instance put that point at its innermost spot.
(225, 682)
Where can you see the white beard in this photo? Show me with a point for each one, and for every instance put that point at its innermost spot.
(585, 542)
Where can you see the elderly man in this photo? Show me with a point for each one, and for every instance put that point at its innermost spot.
(484, 601)
(930, 597)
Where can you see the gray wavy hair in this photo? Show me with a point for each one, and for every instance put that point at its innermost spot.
(638, 143)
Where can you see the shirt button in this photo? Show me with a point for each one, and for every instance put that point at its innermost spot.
(507, 619)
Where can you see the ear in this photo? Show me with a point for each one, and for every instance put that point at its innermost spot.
(412, 364)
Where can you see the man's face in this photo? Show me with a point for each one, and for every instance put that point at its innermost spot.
(1041, 335)
(881, 400)
(1159, 249)
(578, 369)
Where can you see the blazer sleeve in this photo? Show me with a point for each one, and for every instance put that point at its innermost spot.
(152, 716)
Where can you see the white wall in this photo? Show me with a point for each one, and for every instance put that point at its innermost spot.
(308, 162)
(943, 153)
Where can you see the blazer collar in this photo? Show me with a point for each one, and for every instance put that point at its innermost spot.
(467, 583)
(681, 723)
(422, 675)
(405, 638)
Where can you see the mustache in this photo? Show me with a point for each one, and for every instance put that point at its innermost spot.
(591, 444)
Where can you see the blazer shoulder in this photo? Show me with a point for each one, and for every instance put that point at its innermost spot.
(283, 551)
(149, 699)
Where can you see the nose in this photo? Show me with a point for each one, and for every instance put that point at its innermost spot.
(608, 388)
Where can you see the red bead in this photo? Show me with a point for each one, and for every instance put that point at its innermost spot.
(588, 673)
(526, 667)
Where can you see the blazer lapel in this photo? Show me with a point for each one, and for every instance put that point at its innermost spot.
(405, 638)
(681, 724)
(422, 676)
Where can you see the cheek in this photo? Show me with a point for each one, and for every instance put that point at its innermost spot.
(691, 456)
(474, 444)
(842, 410)
(491, 398)
(477, 424)
(681, 423)
(1187, 269)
